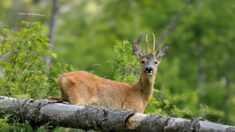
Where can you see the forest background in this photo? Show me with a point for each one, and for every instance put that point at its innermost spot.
(195, 80)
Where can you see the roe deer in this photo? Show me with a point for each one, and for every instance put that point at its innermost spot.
(81, 87)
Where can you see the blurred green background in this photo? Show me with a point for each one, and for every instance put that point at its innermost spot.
(195, 80)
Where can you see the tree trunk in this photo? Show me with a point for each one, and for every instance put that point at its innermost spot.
(52, 30)
(200, 57)
(40, 112)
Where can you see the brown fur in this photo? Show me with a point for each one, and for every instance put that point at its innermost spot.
(82, 88)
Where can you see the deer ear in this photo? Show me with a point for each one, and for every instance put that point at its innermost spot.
(136, 47)
(162, 52)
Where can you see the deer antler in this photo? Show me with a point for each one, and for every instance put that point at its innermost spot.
(136, 48)
(153, 48)
(146, 39)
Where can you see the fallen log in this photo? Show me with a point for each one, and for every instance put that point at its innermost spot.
(90, 117)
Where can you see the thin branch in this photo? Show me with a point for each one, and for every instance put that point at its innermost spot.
(29, 14)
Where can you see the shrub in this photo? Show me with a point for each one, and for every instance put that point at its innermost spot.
(23, 71)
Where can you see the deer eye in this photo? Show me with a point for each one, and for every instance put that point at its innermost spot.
(142, 62)
(155, 62)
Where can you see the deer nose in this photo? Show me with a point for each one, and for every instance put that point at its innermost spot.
(148, 70)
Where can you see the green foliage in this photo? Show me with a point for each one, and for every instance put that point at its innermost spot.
(124, 63)
(3, 124)
(23, 68)
(22, 61)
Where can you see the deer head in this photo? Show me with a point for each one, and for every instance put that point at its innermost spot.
(149, 61)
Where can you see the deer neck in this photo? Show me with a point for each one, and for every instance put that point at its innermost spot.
(145, 85)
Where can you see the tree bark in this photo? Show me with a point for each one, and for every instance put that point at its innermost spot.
(41, 112)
